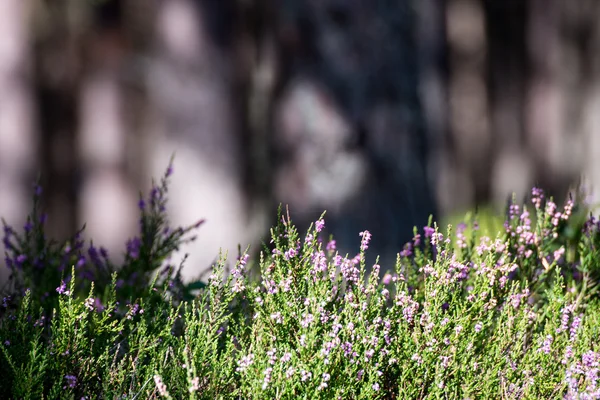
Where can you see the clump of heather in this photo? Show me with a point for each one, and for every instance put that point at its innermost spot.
(43, 267)
(457, 316)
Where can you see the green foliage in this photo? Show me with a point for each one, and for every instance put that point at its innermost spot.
(460, 315)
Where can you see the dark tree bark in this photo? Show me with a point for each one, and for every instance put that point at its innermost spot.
(57, 73)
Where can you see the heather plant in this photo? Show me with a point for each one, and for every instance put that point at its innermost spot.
(516, 316)
(42, 266)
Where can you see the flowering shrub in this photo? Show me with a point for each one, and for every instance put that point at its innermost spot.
(510, 317)
(44, 267)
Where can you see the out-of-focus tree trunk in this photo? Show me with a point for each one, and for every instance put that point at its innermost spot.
(190, 88)
(18, 151)
(107, 141)
(509, 168)
(351, 133)
(58, 38)
(544, 108)
(564, 98)
(462, 177)
(580, 143)
(433, 65)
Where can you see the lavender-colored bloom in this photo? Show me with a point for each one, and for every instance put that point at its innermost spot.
(319, 225)
(8, 231)
(590, 359)
(286, 357)
(133, 310)
(195, 385)
(7, 244)
(277, 317)
(89, 303)
(21, 258)
(98, 304)
(28, 226)
(407, 251)
(244, 259)
(366, 238)
(305, 375)
(307, 319)
(302, 340)
(291, 253)
(429, 231)
(416, 357)
(546, 345)
(568, 354)
(141, 204)
(160, 386)
(267, 372)
(574, 327)
(349, 270)
(71, 381)
(62, 289)
(245, 362)
(133, 247)
(331, 246)
(290, 372)
(93, 254)
(387, 278)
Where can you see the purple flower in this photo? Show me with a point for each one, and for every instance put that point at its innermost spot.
(291, 253)
(417, 240)
(591, 359)
(154, 195)
(71, 381)
(93, 253)
(98, 305)
(319, 225)
(387, 278)
(574, 327)
(244, 259)
(62, 289)
(160, 386)
(366, 238)
(20, 259)
(407, 251)
(8, 230)
(428, 231)
(141, 204)
(28, 226)
(547, 343)
(133, 247)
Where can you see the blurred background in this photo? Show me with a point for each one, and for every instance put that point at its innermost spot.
(380, 112)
